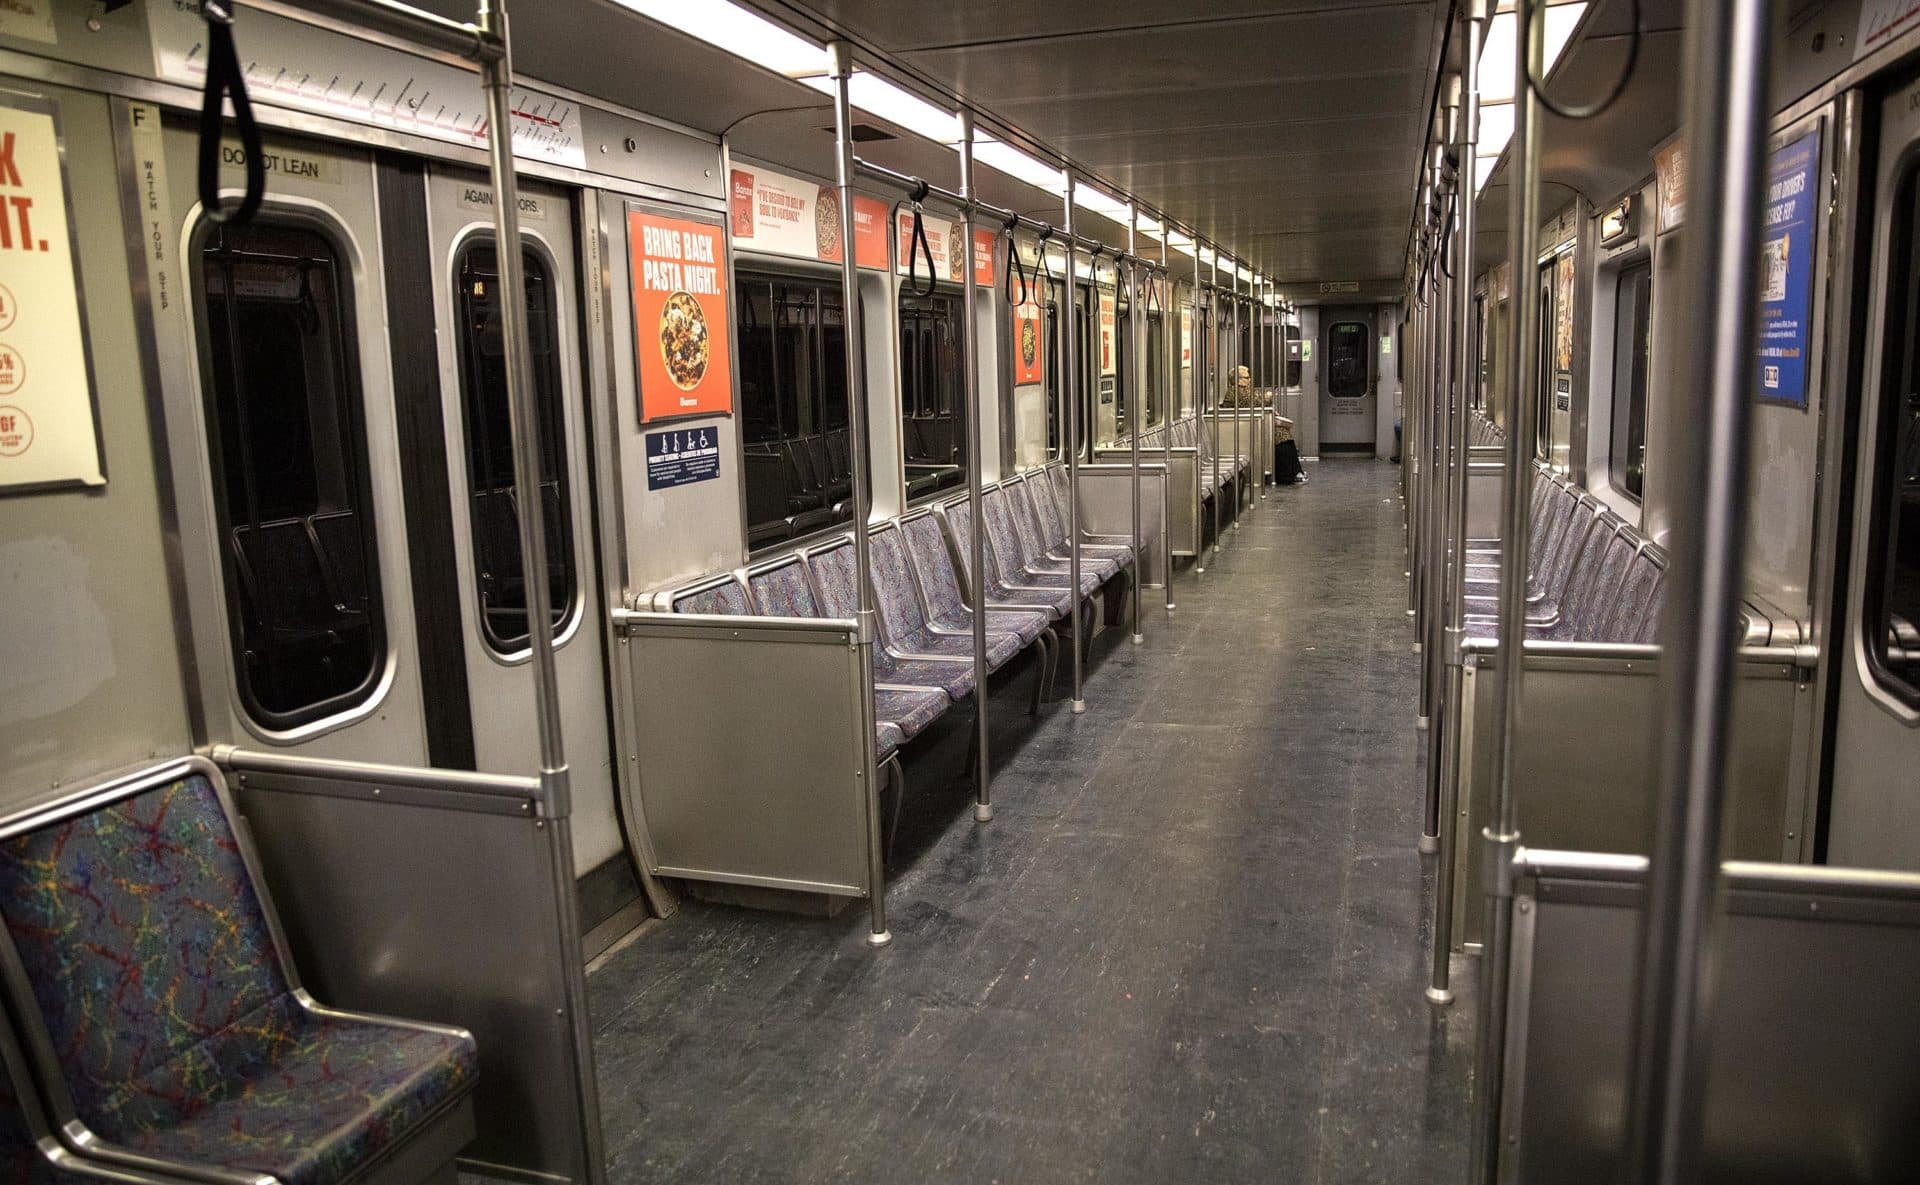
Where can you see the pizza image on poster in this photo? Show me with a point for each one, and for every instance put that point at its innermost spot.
(826, 224)
(681, 352)
(685, 344)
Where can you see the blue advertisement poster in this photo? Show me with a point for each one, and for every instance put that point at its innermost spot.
(1786, 270)
(682, 456)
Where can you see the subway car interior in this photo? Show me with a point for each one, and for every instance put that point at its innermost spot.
(992, 592)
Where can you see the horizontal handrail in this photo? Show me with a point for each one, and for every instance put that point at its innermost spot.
(1739, 874)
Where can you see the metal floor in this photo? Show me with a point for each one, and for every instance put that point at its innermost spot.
(1189, 948)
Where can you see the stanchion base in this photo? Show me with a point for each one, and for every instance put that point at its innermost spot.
(1440, 996)
(1139, 638)
(1409, 613)
(1416, 647)
(1429, 844)
(880, 939)
(1079, 706)
(1199, 570)
(983, 812)
(1420, 723)
(1169, 606)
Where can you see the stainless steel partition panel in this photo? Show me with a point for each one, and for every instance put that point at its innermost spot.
(751, 728)
(1483, 499)
(1810, 1074)
(1106, 508)
(1184, 505)
(1584, 763)
(432, 894)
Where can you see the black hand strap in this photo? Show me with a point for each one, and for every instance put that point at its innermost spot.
(1014, 268)
(917, 248)
(224, 79)
(1045, 266)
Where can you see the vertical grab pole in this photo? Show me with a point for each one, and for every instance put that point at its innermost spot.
(1503, 833)
(523, 418)
(976, 427)
(840, 54)
(1136, 401)
(523, 410)
(1241, 321)
(1211, 420)
(1726, 128)
(1170, 374)
(1440, 377)
(1440, 987)
(1069, 390)
(1198, 345)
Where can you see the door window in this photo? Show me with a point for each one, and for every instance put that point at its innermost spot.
(1632, 320)
(289, 457)
(1348, 350)
(1892, 593)
(494, 510)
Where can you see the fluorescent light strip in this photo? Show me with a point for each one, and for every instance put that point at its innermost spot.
(1496, 55)
(1088, 198)
(1005, 158)
(876, 96)
(740, 32)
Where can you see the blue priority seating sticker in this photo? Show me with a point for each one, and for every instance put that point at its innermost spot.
(682, 456)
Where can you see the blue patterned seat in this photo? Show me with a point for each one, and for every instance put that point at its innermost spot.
(1044, 494)
(959, 519)
(1044, 554)
(833, 575)
(1004, 536)
(904, 618)
(781, 590)
(150, 962)
(721, 596)
(946, 602)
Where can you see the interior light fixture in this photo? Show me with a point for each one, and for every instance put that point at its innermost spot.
(876, 96)
(743, 33)
(1496, 55)
(1005, 158)
(1088, 198)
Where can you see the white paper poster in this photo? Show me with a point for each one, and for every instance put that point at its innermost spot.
(49, 436)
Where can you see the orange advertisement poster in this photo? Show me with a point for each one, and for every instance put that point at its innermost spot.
(870, 233)
(984, 242)
(681, 351)
(1028, 341)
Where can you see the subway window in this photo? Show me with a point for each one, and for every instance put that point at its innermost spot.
(1293, 355)
(933, 422)
(290, 477)
(1348, 347)
(1632, 321)
(793, 405)
(1892, 592)
(495, 500)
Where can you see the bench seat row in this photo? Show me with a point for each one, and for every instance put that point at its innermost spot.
(1592, 577)
(920, 575)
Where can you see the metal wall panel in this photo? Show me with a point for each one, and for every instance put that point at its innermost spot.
(90, 674)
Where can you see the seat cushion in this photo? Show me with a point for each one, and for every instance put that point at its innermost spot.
(909, 709)
(954, 678)
(305, 1098)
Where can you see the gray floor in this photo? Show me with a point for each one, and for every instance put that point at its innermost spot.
(1190, 948)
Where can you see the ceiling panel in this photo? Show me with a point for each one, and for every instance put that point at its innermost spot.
(902, 27)
(1289, 130)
